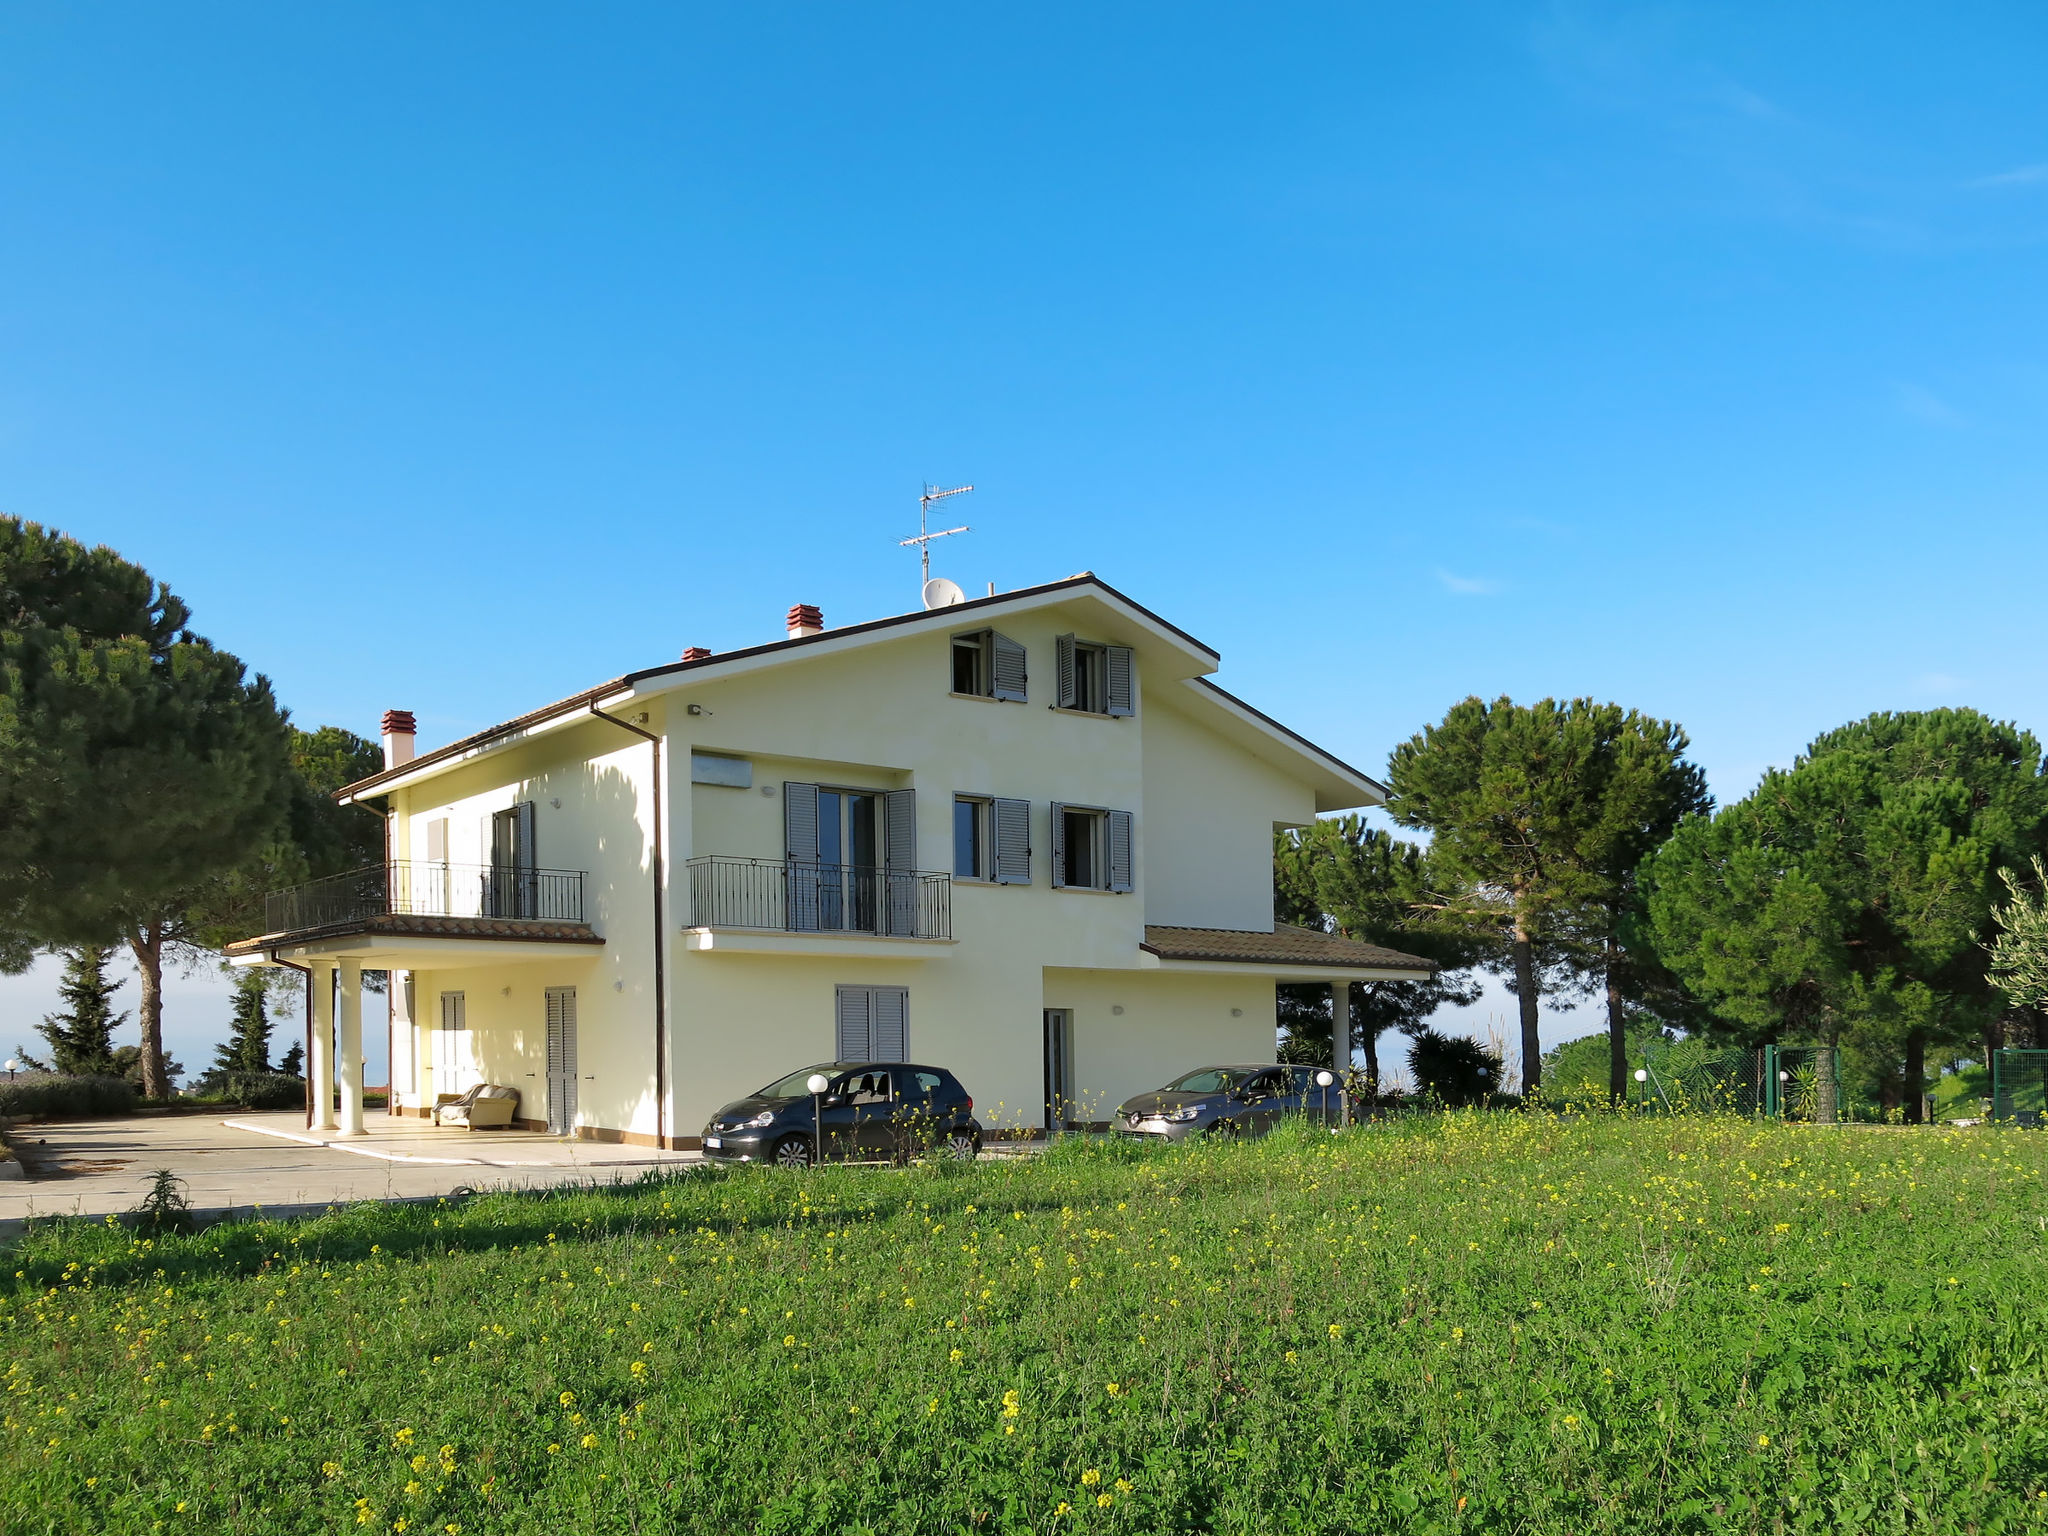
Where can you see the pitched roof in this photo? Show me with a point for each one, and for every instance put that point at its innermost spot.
(1285, 945)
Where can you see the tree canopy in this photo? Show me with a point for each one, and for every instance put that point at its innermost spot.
(1850, 898)
(139, 765)
(1539, 815)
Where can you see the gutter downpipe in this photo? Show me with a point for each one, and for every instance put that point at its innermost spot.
(660, 938)
(307, 972)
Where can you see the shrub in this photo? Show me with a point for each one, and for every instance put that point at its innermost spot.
(55, 1096)
(1453, 1068)
(257, 1090)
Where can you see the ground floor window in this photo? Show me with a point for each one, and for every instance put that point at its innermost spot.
(872, 1024)
(451, 1045)
(562, 1078)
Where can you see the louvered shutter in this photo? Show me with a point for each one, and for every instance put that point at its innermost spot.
(800, 856)
(1013, 842)
(1066, 665)
(889, 1023)
(1121, 688)
(1008, 669)
(853, 1026)
(526, 880)
(899, 858)
(1059, 844)
(1119, 850)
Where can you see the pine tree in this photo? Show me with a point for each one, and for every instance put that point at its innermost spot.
(293, 1063)
(81, 1036)
(248, 1044)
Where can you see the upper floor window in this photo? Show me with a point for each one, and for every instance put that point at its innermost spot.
(1095, 679)
(992, 840)
(1091, 849)
(989, 666)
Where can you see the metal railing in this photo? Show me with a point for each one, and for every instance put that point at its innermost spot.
(804, 896)
(423, 888)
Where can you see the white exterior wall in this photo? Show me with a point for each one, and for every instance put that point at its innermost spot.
(1220, 805)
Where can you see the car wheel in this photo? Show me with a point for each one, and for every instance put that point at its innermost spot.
(1222, 1130)
(964, 1145)
(793, 1152)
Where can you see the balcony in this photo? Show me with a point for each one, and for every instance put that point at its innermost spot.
(800, 896)
(417, 888)
(427, 909)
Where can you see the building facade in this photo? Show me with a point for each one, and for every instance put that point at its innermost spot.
(1023, 837)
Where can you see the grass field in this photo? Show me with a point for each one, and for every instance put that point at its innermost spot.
(1469, 1323)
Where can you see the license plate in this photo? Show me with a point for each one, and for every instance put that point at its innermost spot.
(714, 1141)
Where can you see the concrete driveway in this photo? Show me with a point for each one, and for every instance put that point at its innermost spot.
(271, 1162)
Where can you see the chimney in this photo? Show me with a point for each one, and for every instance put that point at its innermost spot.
(398, 738)
(805, 619)
(696, 653)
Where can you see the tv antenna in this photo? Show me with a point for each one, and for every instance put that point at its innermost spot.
(924, 538)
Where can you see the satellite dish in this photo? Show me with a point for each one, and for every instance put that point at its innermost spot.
(941, 593)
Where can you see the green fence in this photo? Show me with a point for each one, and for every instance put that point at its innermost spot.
(2019, 1087)
(1777, 1082)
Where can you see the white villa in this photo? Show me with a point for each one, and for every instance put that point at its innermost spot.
(1023, 837)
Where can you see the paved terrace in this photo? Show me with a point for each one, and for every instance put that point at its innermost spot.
(272, 1162)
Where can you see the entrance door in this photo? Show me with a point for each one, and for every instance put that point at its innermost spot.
(1059, 1084)
(450, 1045)
(561, 1060)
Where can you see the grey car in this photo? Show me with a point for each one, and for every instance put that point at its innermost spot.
(1229, 1101)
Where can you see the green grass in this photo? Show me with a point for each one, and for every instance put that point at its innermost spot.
(1468, 1323)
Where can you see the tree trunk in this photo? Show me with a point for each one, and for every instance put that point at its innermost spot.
(1617, 1026)
(147, 945)
(1372, 1064)
(1525, 985)
(1916, 1075)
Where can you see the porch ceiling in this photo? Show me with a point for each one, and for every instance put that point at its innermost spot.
(406, 941)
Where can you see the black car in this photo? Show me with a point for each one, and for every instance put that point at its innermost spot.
(1230, 1101)
(872, 1111)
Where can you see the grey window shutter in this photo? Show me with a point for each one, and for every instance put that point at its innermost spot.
(1013, 842)
(899, 860)
(899, 835)
(1065, 664)
(889, 1023)
(1059, 843)
(1121, 690)
(1008, 668)
(855, 1012)
(800, 850)
(526, 885)
(1119, 850)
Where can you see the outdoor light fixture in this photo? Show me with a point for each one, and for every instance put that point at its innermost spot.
(817, 1082)
(1642, 1076)
(11, 1065)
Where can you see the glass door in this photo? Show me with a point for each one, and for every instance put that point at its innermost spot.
(849, 858)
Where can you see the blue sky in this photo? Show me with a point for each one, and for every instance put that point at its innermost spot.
(455, 358)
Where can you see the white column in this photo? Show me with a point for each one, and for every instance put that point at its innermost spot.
(320, 1069)
(349, 1048)
(1340, 1045)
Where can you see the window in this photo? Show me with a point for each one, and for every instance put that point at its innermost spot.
(971, 840)
(1082, 837)
(1091, 848)
(989, 666)
(873, 1023)
(1095, 679)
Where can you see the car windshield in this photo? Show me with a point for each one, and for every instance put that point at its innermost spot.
(794, 1086)
(1208, 1080)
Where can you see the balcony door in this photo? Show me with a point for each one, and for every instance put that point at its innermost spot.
(849, 855)
(511, 884)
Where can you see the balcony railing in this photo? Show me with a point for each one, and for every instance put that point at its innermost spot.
(803, 896)
(421, 888)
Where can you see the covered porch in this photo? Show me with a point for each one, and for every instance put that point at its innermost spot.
(398, 918)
